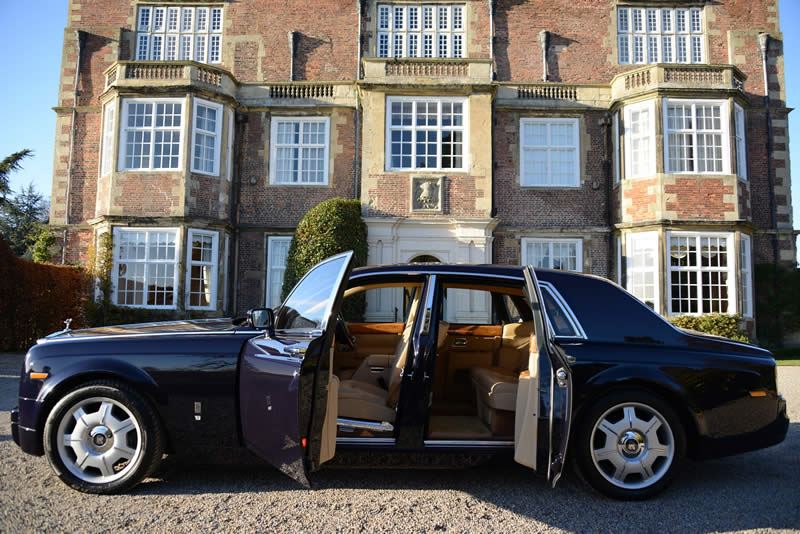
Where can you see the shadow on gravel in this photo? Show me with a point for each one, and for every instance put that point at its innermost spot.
(751, 491)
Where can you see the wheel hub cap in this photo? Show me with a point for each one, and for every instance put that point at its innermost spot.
(632, 443)
(101, 438)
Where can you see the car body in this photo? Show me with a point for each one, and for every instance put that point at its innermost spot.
(278, 390)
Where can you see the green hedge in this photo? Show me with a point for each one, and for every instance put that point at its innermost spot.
(777, 303)
(330, 227)
(717, 324)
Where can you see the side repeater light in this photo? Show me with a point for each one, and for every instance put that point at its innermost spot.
(38, 376)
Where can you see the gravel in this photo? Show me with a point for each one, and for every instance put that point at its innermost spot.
(756, 491)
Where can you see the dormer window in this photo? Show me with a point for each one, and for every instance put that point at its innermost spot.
(172, 33)
(660, 35)
(420, 30)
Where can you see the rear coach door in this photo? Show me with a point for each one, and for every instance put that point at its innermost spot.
(555, 388)
(285, 376)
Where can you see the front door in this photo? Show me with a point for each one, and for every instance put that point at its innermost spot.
(284, 377)
(554, 406)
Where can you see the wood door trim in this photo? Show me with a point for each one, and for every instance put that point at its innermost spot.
(375, 328)
(482, 330)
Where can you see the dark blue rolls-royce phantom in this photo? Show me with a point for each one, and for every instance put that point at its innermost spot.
(420, 359)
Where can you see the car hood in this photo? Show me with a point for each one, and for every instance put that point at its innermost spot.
(712, 342)
(166, 327)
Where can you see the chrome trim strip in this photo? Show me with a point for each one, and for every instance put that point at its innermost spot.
(576, 325)
(466, 443)
(383, 442)
(364, 425)
(71, 337)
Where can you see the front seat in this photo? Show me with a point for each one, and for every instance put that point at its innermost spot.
(359, 400)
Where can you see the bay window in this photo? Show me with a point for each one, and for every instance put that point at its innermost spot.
(299, 150)
(201, 269)
(277, 254)
(179, 33)
(420, 30)
(549, 154)
(641, 267)
(562, 254)
(660, 35)
(145, 267)
(700, 273)
(696, 136)
(426, 133)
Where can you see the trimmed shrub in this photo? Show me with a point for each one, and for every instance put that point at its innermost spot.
(717, 324)
(330, 227)
(777, 303)
(36, 298)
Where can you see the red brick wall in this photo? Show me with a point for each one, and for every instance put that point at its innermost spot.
(698, 198)
(640, 193)
(543, 207)
(147, 194)
(280, 206)
(203, 196)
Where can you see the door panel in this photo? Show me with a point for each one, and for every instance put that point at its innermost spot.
(285, 375)
(468, 346)
(555, 388)
(371, 339)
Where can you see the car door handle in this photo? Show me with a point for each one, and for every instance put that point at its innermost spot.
(459, 342)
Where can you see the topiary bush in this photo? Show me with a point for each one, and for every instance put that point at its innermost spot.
(718, 324)
(330, 227)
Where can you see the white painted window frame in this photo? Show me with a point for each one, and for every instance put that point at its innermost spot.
(413, 128)
(123, 129)
(147, 31)
(631, 241)
(214, 264)
(615, 131)
(229, 148)
(550, 241)
(270, 240)
(115, 271)
(725, 133)
(731, 271)
(109, 134)
(746, 273)
(740, 138)
(550, 148)
(397, 35)
(649, 137)
(273, 149)
(216, 134)
(628, 34)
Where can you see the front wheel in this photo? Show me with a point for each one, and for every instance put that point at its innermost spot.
(103, 437)
(630, 445)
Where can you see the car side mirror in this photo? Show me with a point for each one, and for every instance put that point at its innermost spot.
(262, 318)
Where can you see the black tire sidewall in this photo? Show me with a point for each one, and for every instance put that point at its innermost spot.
(141, 411)
(583, 443)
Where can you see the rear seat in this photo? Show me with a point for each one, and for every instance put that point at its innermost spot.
(496, 387)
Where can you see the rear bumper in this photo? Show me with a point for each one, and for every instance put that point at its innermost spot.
(767, 436)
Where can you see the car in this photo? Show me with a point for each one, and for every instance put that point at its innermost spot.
(422, 360)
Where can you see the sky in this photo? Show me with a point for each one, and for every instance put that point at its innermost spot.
(31, 59)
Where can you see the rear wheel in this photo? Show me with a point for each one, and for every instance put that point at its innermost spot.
(103, 437)
(630, 445)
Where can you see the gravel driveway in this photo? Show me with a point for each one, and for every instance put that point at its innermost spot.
(756, 491)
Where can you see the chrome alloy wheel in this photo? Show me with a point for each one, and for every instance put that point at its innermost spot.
(99, 440)
(632, 445)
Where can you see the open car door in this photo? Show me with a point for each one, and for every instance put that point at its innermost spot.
(286, 387)
(544, 397)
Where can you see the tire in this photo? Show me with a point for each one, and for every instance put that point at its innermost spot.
(103, 437)
(629, 445)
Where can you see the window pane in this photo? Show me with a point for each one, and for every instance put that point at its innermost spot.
(647, 35)
(306, 306)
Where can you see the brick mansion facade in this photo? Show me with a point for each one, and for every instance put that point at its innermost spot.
(641, 140)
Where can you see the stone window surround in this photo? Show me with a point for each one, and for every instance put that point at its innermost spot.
(572, 240)
(654, 4)
(213, 264)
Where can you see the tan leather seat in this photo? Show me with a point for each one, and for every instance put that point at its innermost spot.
(359, 400)
(496, 387)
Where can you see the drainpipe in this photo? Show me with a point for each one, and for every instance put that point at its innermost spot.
(80, 37)
(357, 147)
(236, 180)
(292, 43)
(544, 41)
(608, 162)
(763, 45)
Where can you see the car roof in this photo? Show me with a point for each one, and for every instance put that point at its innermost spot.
(514, 271)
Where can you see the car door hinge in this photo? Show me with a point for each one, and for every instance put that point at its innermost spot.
(562, 378)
